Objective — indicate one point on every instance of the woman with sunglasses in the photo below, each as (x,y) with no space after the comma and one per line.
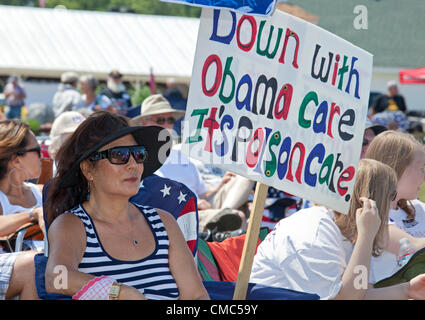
(112,248)
(20,203)
(20,161)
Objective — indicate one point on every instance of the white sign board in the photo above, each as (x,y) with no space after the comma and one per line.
(280,101)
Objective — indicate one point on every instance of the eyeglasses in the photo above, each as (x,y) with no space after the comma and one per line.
(121,155)
(36,149)
(162,120)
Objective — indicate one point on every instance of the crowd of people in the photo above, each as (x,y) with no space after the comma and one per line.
(102,148)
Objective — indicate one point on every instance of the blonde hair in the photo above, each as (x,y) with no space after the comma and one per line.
(376,181)
(396,149)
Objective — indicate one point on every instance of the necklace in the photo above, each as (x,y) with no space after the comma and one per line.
(134,241)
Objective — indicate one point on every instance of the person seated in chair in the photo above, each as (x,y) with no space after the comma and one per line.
(17,276)
(157,111)
(113,248)
(324,256)
(20,201)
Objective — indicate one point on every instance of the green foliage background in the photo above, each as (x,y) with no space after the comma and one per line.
(139,6)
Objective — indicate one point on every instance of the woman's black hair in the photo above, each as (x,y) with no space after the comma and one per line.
(89,133)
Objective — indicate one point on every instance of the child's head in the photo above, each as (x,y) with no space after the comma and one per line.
(375,181)
(403,153)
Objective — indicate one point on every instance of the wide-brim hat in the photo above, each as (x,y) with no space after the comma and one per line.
(157,141)
(157,104)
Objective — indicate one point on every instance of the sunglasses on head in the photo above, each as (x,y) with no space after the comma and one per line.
(36,149)
(162,120)
(121,155)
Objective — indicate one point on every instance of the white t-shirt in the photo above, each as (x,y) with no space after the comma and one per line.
(415,227)
(305,252)
(101,100)
(383,266)
(180,168)
(8,208)
(386,265)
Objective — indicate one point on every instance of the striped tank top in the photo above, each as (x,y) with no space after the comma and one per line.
(151,275)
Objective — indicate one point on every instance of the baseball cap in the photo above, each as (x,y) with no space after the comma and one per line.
(69,77)
(66,122)
(115,74)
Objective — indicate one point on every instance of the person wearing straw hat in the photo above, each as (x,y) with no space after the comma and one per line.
(113,248)
(156,110)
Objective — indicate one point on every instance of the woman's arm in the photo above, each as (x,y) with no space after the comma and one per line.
(414,289)
(395,234)
(12,222)
(361,255)
(181,261)
(67,239)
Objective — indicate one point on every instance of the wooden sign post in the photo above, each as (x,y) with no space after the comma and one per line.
(250,242)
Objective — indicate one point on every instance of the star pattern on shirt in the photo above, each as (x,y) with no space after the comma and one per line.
(182,197)
(165,191)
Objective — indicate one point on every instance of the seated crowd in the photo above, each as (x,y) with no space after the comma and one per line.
(114,247)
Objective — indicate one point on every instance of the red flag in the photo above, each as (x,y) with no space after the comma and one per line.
(152,84)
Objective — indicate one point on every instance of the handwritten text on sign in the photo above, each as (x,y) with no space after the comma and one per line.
(280,101)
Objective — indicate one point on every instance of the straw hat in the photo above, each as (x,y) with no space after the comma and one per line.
(157,104)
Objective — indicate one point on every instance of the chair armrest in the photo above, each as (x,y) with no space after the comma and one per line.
(23,227)
(19,234)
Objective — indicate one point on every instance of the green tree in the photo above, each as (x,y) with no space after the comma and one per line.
(155,7)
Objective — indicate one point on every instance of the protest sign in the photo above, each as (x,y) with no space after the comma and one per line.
(280,101)
(253,7)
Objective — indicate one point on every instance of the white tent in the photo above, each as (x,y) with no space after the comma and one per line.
(39,42)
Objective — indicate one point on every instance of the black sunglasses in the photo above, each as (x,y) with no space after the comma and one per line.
(121,155)
(36,149)
(162,120)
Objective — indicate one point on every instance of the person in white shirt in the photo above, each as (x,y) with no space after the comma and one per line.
(20,160)
(89,99)
(318,250)
(67,96)
(62,128)
(20,203)
(406,156)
